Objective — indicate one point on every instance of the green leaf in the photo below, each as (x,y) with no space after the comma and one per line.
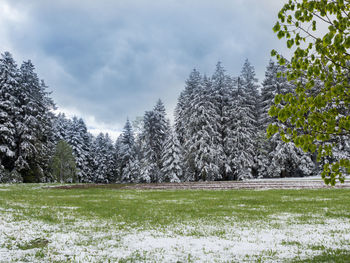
(318,109)
(277,27)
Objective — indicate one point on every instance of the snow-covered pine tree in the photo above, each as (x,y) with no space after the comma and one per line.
(137,125)
(80,141)
(9,91)
(183,110)
(33,126)
(222,96)
(150,171)
(244,126)
(118,159)
(183,114)
(201,150)
(110,163)
(154,134)
(103,154)
(60,127)
(251,101)
(284,159)
(178,116)
(288,160)
(342,150)
(271,86)
(163,127)
(172,160)
(242,156)
(135,162)
(127,154)
(46,131)
(131,171)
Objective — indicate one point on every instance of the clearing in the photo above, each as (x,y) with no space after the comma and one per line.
(266,221)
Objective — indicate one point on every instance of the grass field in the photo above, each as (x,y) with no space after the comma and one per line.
(41,224)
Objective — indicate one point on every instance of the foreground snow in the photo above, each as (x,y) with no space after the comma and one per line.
(99,241)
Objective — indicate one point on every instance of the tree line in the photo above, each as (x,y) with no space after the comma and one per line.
(219,133)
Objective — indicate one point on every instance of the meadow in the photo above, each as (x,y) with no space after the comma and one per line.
(41,223)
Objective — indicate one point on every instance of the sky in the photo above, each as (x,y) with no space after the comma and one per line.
(109,60)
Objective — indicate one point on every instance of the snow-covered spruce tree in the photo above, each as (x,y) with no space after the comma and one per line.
(154,134)
(110,162)
(127,140)
(251,101)
(244,126)
(137,157)
(26,111)
(33,126)
(183,114)
(60,127)
(172,160)
(89,138)
(46,133)
(242,136)
(222,96)
(284,159)
(271,86)
(288,160)
(103,153)
(162,126)
(126,148)
(201,150)
(117,159)
(183,110)
(9,91)
(179,113)
(10,177)
(342,150)
(149,167)
(131,170)
(80,141)
(137,125)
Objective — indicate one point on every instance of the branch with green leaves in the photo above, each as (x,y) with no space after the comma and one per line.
(318,111)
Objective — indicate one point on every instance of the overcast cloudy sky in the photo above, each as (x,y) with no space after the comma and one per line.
(106,60)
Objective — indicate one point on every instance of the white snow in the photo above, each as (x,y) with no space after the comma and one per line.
(95,241)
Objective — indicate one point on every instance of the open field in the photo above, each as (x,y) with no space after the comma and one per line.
(118,223)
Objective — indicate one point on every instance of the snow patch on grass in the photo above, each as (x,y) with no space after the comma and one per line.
(96,240)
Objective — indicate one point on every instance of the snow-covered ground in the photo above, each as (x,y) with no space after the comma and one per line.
(314,182)
(305,178)
(277,239)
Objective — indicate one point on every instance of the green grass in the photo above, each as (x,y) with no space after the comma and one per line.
(160,208)
(155,209)
(329,256)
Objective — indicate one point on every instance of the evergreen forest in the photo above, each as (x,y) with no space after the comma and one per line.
(219,133)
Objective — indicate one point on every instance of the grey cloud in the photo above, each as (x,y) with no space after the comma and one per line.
(113,59)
